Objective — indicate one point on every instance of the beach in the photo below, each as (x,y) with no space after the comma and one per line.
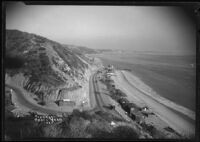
(170,76)
(174,120)
(164,83)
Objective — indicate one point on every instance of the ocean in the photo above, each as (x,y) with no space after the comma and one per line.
(170,76)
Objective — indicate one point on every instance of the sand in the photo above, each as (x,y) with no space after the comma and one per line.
(173,119)
(135,81)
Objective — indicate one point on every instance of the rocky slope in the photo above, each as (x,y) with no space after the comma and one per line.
(48,68)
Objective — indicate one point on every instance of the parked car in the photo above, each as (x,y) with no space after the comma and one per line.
(111,106)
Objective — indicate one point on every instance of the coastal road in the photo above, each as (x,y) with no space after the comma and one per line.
(30,105)
(95,97)
(98,103)
(173,119)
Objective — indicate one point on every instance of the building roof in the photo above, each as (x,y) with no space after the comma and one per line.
(66,100)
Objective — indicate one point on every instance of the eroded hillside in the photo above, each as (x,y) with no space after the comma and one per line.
(45,68)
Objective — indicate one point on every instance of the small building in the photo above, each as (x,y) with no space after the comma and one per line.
(111,106)
(146,111)
(110,68)
(130,107)
(137,116)
(140,118)
(145,108)
(109,74)
(66,102)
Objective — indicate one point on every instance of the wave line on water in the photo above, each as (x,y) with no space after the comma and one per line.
(149,91)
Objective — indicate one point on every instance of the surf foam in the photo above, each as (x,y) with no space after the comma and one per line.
(137,83)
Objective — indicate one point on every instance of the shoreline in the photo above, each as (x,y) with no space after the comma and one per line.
(172,105)
(174,120)
(175,84)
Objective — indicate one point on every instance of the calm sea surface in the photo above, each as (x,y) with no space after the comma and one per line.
(171,76)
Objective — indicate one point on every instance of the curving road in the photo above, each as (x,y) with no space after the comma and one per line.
(96,101)
(23,101)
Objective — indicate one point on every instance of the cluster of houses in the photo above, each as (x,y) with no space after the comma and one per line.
(109,71)
(110,68)
(47,119)
(136,113)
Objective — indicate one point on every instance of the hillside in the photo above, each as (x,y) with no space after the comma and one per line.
(44,67)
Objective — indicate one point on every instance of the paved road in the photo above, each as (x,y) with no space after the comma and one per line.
(95,98)
(23,101)
(96,101)
(96,95)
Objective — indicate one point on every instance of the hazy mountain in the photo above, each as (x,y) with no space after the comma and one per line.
(81,49)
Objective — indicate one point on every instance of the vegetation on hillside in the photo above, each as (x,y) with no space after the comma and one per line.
(46,64)
(76,125)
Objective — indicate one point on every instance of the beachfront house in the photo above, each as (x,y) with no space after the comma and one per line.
(110,68)
(136,115)
(130,107)
(144,108)
(146,111)
(140,118)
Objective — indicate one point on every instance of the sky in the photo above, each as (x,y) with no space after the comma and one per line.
(140,28)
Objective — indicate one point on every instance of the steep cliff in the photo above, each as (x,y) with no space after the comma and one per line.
(47,66)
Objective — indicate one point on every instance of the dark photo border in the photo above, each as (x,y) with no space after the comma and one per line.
(192,8)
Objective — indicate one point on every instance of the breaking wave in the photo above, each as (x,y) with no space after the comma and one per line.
(137,83)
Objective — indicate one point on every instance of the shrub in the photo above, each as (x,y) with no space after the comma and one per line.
(124,132)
